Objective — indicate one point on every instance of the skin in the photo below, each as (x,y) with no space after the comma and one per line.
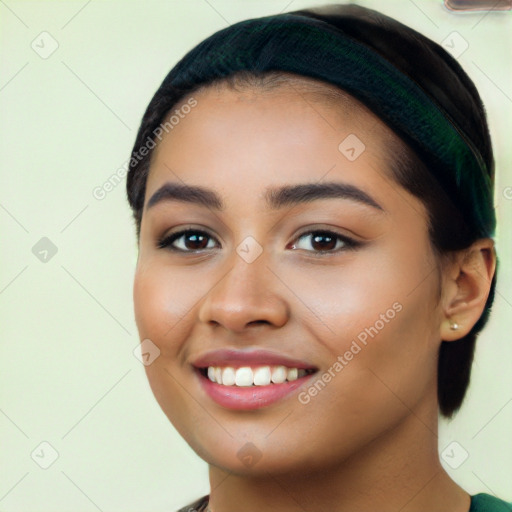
(368,440)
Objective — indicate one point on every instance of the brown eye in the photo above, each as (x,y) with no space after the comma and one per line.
(193,240)
(327,242)
(323,242)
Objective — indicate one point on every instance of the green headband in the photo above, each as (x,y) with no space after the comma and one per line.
(314,48)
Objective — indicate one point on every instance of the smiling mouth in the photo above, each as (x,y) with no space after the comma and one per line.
(253,376)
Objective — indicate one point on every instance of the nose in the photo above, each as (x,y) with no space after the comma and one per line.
(245,295)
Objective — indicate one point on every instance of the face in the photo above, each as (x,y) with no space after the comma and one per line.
(334,295)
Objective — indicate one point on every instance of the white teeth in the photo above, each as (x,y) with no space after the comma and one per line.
(279,374)
(292,374)
(262,376)
(259,376)
(243,376)
(228,376)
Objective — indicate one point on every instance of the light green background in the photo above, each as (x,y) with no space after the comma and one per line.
(68,375)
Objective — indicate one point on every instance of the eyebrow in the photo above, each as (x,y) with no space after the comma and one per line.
(275,197)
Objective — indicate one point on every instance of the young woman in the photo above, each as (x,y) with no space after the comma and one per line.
(313,199)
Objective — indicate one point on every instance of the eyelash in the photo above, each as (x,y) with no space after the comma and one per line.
(349,243)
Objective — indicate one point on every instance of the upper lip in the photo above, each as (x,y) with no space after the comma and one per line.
(256,357)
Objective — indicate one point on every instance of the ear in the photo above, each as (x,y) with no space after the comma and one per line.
(466,285)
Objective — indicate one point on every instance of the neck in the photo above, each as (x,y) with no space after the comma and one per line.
(400,470)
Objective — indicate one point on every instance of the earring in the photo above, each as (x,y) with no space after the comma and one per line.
(453,325)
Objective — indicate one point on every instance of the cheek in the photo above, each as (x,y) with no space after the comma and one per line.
(160,308)
(160,303)
(379,311)
(347,298)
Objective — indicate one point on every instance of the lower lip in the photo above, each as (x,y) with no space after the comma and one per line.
(249,397)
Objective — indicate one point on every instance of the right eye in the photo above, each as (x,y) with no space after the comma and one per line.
(193,237)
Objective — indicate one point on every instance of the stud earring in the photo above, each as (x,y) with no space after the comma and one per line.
(453,325)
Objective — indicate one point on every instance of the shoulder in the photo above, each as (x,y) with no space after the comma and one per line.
(197,506)
(486,503)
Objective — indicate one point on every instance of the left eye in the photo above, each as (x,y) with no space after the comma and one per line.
(325,241)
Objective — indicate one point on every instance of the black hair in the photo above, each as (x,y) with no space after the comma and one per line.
(429,65)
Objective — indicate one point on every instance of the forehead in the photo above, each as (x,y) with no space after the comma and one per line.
(243,142)
(285,121)
(287,92)
(244,148)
